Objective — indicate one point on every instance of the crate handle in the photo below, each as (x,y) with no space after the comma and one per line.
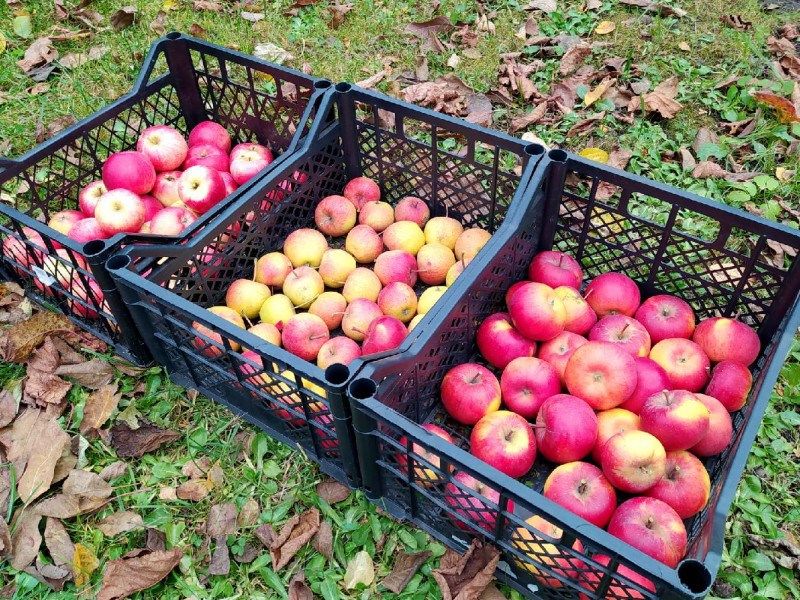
(7,163)
(694,576)
(320,104)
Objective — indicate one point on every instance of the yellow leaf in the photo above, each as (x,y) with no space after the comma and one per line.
(601,218)
(83,565)
(597,93)
(595,154)
(685,47)
(170,5)
(2,42)
(605,27)
(784,174)
(359,570)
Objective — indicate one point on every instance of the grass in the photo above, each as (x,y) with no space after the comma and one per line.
(766,505)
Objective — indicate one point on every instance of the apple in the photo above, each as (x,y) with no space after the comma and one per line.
(383,333)
(500,343)
(414,322)
(335,215)
(358,316)
(362,283)
(230,184)
(504,440)
(376,214)
(650,378)
(206,155)
(555,269)
(540,551)
(412,209)
(730,384)
(151,207)
(396,265)
(165,189)
(215,345)
(335,266)
(171,221)
(305,247)
(559,350)
(119,211)
(248,162)
(164,146)
(89,196)
(470,242)
(627,333)
(86,230)
(537,312)
(209,132)
(676,417)
(472,509)
(130,171)
(330,307)
(610,423)
(276,310)
(720,428)
(302,286)
(685,485)
(252,148)
(404,235)
(456,270)
(618,588)
(17,251)
(470,392)
(566,428)
(633,461)
(272,269)
(83,303)
(600,373)
(686,364)
(246,297)
(429,297)
(583,490)
(338,350)
(651,526)
(666,317)
(422,473)
(361,190)
(200,188)
(363,243)
(612,294)
(526,383)
(443,230)
(398,300)
(63,220)
(580,316)
(728,339)
(434,261)
(267,332)
(304,334)
(513,289)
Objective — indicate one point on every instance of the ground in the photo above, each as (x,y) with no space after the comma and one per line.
(700,49)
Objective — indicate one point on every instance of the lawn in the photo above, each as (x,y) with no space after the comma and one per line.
(717,58)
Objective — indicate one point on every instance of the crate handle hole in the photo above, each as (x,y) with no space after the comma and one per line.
(94,247)
(343,87)
(557,155)
(337,374)
(361,389)
(534,149)
(118,262)
(173,35)
(322,84)
(694,576)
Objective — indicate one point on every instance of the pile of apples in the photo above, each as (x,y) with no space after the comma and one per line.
(356,273)
(622,395)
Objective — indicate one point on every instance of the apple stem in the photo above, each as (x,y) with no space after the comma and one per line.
(588,293)
(255,269)
(246,320)
(316,337)
(463,261)
(582,486)
(560,259)
(476,378)
(624,328)
(650,522)
(357,330)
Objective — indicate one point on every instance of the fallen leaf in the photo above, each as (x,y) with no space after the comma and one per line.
(8,407)
(323,541)
(295,534)
(40,467)
(8,590)
(420,29)
(664,10)
(221,520)
(220,560)
(453,61)
(530,27)
(605,27)
(640,87)
(338,12)
(405,567)
(137,442)
(685,47)
(547,6)
(789,31)
(370,82)
(706,169)
(594,95)
(156,540)
(660,100)
(250,552)
(86,484)
(586,125)
(26,540)
(206,5)
(595,154)
(333,492)
(216,475)
(84,563)
(618,158)
(491,593)
(195,469)
(124,576)
(479,110)
(786,112)
(39,88)
(53,576)
(193,490)
(468,577)
(272,53)
(298,590)
(114,470)
(99,406)
(704,136)
(594,4)
(564,93)
(120,522)
(5,539)
(252,17)
(159,24)
(19,341)
(737,22)
(58,543)
(130,416)
(421,70)
(43,389)
(248,515)
(197,31)
(522,121)
(123,18)
(573,58)
(359,570)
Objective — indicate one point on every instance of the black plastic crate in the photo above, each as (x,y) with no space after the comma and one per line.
(183,81)
(397,144)
(608,220)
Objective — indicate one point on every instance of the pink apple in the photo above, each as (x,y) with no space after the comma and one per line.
(435,261)
(613,293)
(364,243)
(633,461)
(479,507)
(25,255)
(470,392)
(208,156)
(412,209)
(526,383)
(626,332)
(650,378)
(252,147)
(120,211)
(505,441)
(396,265)
(131,171)
(87,230)
(677,418)
(200,188)
(618,588)
(555,269)
(580,316)
(610,423)
(512,290)
(272,269)
(339,349)
(209,132)
(398,300)
(651,526)
(685,485)
(247,161)
(424,474)
(361,190)
(171,220)
(304,334)
(330,307)
(378,215)
(559,350)
(583,490)
(151,207)
(500,343)
(602,374)
(383,333)
(686,364)
(666,317)
(63,220)
(164,146)
(537,312)
(165,189)
(358,316)
(335,215)
(566,428)
(720,428)
(730,384)
(728,339)
(230,184)
(89,196)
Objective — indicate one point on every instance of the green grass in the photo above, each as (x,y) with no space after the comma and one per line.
(766,505)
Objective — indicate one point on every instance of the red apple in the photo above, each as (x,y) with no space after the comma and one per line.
(500,343)
(602,374)
(470,392)
(504,440)
(583,490)
(339,349)
(472,507)
(422,472)
(304,334)
(677,418)
(363,243)
(209,132)
(398,300)
(330,307)
(730,384)
(89,196)
(164,146)
(165,189)
(396,265)
(666,317)
(651,526)
(555,269)
(247,161)
(412,209)
(526,383)
(335,215)
(627,333)
(25,255)
(618,588)
(685,485)
(358,316)
(650,378)
(130,171)
(171,221)
(633,461)
(63,220)
(384,333)
(559,350)
(361,190)
(613,293)
(86,230)
(728,339)
(580,316)
(250,147)
(230,184)
(720,428)
(566,428)
(200,188)
(512,290)
(206,155)
(119,211)
(542,551)
(537,312)
(151,207)
(686,364)
(610,423)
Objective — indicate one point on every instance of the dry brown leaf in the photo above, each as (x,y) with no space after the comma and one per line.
(137,442)
(479,110)
(660,100)
(471,575)
(125,576)
(159,24)
(706,169)
(294,535)
(618,158)
(19,341)
(206,5)
(8,407)
(93,374)
(197,31)
(585,126)
(5,539)
(789,31)
(87,484)
(370,82)
(404,569)
(665,10)
(123,18)
(547,6)
(120,522)
(605,27)
(594,4)
(156,540)
(221,559)
(58,543)
(41,51)
(298,590)
(99,406)
(26,540)
(45,452)
(249,554)
(195,469)
(221,520)
(573,58)
(8,591)
(43,388)
(338,12)
(421,70)
(114,470)
(323,541)
(565,92)
(66,506)
(265,534)
(491,593)
(53,576)
(737,22)
(529,27)
(248,515)
(525,120)
(193,490)
(333,492)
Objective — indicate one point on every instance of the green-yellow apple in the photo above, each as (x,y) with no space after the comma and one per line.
(443,230)
(335,266)
(429,297)
(378,215)
(470,242)
(305,247)
(246,297)
(434,261)
(276,310)
(404,235)
(268,332)
(456,270)
(302,286)
(229,315)
(362,283)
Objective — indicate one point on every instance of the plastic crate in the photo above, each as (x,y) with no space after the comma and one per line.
(292,399)
(608,220)
(183,81)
